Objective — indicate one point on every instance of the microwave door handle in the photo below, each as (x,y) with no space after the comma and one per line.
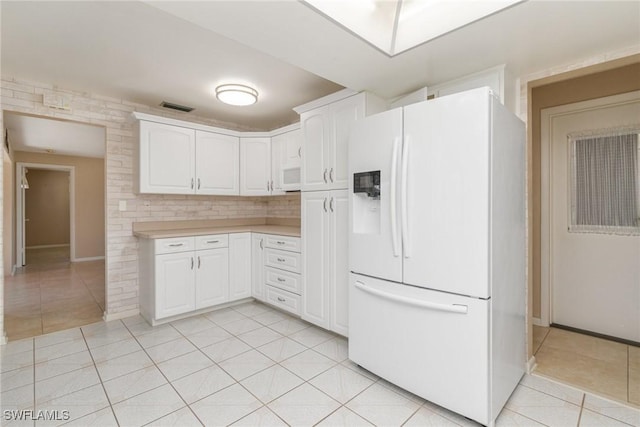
(403,198)
(393,197)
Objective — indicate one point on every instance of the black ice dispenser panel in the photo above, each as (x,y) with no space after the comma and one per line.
(367,182)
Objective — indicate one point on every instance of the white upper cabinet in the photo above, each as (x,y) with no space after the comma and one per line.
(285,159)
(255,166)
(166,159)
(178,160)
(217,165)
(325,138)
(176,157)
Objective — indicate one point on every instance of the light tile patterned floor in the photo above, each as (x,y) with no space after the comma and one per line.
(51,294)
(605,367)
(249,365)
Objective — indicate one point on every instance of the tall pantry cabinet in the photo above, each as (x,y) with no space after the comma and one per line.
(325,126)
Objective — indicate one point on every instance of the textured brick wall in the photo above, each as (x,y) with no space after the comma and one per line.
(114,115)
(287,206)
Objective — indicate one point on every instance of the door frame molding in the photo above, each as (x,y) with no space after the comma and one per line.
(20,211)
(548,117)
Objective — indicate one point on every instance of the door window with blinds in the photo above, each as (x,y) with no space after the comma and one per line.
(605,182)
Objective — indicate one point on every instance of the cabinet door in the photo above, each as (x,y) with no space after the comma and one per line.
(343,114)
(212,277)
(339,260)
(315,265)
(315,133)
(167,159)
(257,266)
(175,284)
(239,266)
(255,166)
(217,164)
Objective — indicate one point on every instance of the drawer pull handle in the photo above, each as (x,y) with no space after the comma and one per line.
(281,259)
(280,279)
(281,299)
(175,245)
(280,243)
(213,241)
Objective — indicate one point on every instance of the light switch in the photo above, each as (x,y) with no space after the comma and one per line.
(122,206)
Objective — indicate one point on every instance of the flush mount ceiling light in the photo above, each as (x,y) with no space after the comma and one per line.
(233,94)
(394,26)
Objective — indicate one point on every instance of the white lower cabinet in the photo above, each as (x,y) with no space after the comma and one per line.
(257,266)
(239,266)
(325,259)
(183,274)
(281,272)
(175,284)
(212,277)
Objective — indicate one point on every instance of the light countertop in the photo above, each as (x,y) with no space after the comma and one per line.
(166,229)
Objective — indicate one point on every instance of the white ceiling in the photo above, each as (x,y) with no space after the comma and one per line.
(40,135)
(179,50)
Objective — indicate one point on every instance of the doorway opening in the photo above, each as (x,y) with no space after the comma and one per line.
(45,207)
(57,238)
(585,279)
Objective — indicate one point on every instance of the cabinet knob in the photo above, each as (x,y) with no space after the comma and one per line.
(331,205)
(198,183)
(280,242)
(192,263)
(192,183)
(281,299)
(331,174)
(280,279)
(300,152)
(324,204)
(280,259)
(324,176)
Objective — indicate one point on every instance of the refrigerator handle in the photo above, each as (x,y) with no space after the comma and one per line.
(393,197)
(403,198)
(451,308)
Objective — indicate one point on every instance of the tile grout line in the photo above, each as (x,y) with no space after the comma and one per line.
(95,366)
(584,396)
(165,377)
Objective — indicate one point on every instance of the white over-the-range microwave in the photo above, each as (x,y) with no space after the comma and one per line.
(290,178)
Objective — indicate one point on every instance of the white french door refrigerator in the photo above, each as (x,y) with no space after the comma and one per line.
(437,250)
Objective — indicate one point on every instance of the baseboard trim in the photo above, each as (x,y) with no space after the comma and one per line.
(108,317)
(539,322)
(531,364)
(47,246)
(93,258)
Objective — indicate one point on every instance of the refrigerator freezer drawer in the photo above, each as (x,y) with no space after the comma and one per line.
(436,345)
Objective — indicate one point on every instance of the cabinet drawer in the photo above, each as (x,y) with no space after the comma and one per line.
(283,280)
(283,242)
(289,261)
(174,244)
(212,241)
(283,299)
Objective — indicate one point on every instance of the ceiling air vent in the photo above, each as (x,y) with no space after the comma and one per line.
(177,107)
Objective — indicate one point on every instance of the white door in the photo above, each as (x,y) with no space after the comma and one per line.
(339,259)
(217,164)
(315,262)
(255,166)
(175,284)
(257,266)
(343,114)
(212,277)
(445,223)
(167,159)
(239,266)
(594,277)
(375,245)
(315,155)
